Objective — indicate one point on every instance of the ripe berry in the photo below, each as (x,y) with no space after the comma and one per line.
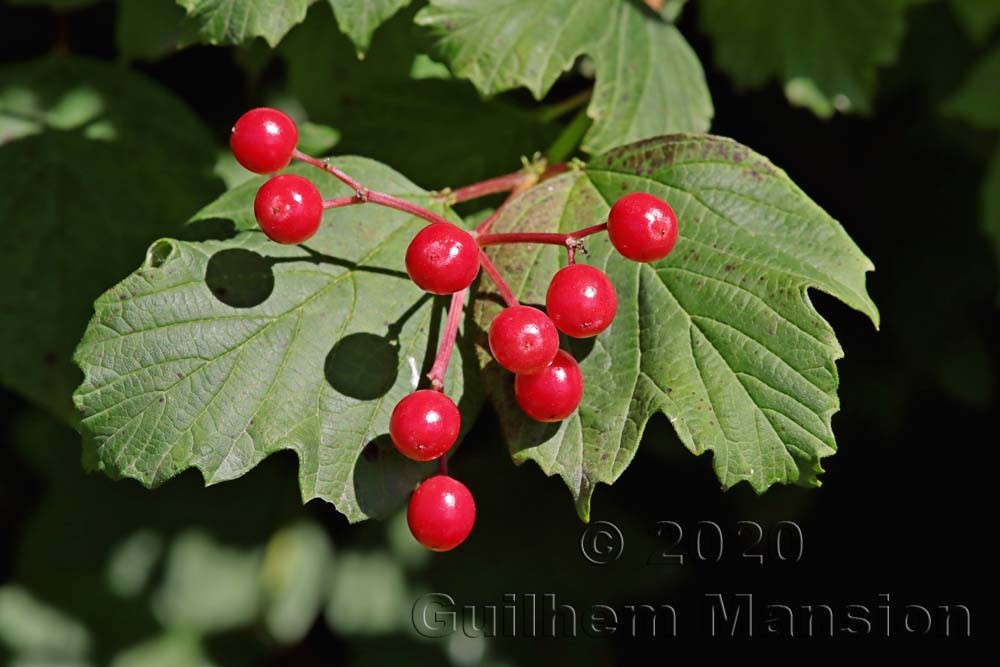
(523,339)
(263,140)
(442,258)
(289,208)
(581,301)
(441,513)
(553,393)
(642,227)
(424,425)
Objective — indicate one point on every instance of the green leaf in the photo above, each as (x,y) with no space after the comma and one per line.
(238,21)
(91,177)
(368,595)
(358,19)
(977,101)
(295,574)
(167,650)
(118,562)
(316,139)
(833,46)
(720,336)
(149,29)
(439,131)
(215,354)
(978,17)
(672,9)
(649,80)
(991,205)
(31,628)
(56,4)
(208,587)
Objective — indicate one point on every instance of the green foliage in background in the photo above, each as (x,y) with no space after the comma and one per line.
(210,348)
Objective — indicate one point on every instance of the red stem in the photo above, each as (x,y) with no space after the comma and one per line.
(341,202)
(327,167)
(491,270)
(491,186)
(588,231)
(363,194)
(527,182)
(522,237)
(401,205)
(440,367)
(550,238)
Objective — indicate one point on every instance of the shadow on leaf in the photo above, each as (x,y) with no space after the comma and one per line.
(384,478)
(362,366)
(580,348)
(243,278)
(240,278)
(208,229)
(365,365)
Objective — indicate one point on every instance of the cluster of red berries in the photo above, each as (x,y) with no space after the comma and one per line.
(444,259)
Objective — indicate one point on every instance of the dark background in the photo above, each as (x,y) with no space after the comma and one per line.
(903,508)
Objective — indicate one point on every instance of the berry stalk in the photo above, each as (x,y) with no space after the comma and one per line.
(494,273)
(363,194)
(443,357)
(329,168)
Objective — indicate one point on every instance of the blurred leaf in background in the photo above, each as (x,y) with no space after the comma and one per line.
(824,52)
(91,177)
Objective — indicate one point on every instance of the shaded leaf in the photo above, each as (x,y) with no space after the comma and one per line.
(438,131)
(977,101)
(358,19)
(978,17)
(238,21)
(834,47)
(149,29)
(991,206)
(90,178)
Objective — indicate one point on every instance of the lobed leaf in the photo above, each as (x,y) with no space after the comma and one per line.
(216,353)
(649,81)
(720,336)
(238,21)
(358,19)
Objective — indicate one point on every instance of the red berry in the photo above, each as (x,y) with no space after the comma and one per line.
(553,393)
(642,227)
(441,513)
(581,301)
(289,208)
(263,140)
(442,258)
(424,425)
(523,339)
